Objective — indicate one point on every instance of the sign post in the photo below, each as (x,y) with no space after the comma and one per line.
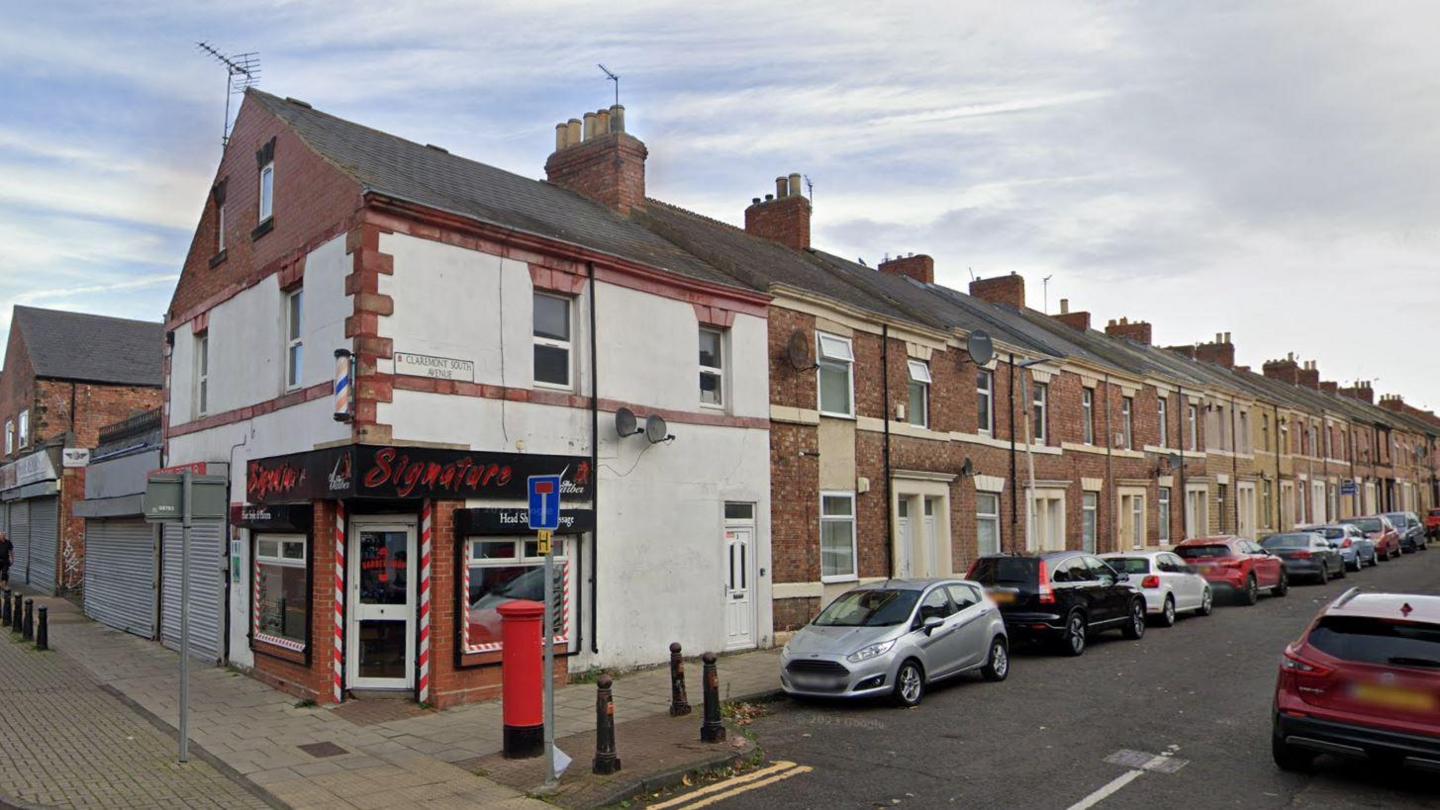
(187,486)
(544,491)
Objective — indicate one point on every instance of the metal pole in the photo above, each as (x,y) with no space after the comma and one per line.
(549,630)
(1029,412)
(187,479)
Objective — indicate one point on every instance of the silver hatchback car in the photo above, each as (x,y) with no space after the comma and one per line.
(896,637)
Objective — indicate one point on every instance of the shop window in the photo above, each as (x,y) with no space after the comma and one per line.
(498,570)
(294,338)
(919,407)
(836,381)
(837,537)
(712,367)
(552,341)
(282,599)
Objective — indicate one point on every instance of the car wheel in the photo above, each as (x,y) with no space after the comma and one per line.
(1207,602)
(1289,758)
(1324,574)
(1358,564)
(1283,586)
(1135,630)
(998,665)
(1072,642)
(909,684)
(1251,594)
(1167,613)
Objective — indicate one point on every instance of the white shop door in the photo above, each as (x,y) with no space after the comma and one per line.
(739,606)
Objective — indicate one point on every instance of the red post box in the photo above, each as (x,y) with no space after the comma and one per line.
(522,668)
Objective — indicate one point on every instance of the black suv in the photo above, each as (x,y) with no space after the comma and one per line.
(1061,597)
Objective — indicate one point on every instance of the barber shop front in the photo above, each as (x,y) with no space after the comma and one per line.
(380,569)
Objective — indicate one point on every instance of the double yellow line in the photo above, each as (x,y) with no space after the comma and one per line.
(734,786)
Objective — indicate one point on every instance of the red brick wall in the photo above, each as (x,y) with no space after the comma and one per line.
(610,169)
(919,267)
(1079,321)
(786,220)
(1138,331)
(1007,290)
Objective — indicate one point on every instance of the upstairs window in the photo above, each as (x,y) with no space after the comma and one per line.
(9,436)
(919,408)
(267,191)
(836,375)
(712,367)
(1127,422)
(23,436)
(552,341)
(202,375)
(1194,417)
(1164,406)
(1265,432)
(1087,413)
(1041,407)
(985,398)
(294,338)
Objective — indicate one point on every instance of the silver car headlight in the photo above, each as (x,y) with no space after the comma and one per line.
(871,651)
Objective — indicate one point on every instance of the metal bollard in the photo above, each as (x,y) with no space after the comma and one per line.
(712,730)
(607,761)
(679,702)
(5,607)
(42,629)
(27,628)
(17,611)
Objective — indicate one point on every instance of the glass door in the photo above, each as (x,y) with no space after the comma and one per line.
(381,639)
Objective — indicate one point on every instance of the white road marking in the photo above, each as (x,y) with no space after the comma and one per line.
(1109,788)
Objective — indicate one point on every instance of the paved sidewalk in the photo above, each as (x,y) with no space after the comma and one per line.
(388,755)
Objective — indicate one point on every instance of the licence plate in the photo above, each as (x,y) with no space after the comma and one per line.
(1002,598)
(1393,698)
(814,681)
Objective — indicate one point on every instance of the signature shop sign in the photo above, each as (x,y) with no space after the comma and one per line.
(389,472)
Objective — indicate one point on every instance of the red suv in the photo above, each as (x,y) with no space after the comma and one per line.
(1235,564)
(1432,524)
(1363,681)
(1380,530)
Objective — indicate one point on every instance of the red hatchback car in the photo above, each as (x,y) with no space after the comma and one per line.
(1380,530)
(1235,564)
(1363,681)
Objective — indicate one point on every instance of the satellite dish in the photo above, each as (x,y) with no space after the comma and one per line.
(968,468)
(625,423)
(655,429)
(797,350)
(980,348)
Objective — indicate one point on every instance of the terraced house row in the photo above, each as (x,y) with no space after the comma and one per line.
(378,340)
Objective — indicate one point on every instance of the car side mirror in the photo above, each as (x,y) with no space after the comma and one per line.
(930,623)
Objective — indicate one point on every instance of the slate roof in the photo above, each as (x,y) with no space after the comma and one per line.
(91,348)
(390,165)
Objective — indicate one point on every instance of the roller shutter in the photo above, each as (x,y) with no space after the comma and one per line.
(20,538)
(120,576)
(207,589)
(44,537)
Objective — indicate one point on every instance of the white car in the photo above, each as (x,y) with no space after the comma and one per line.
(1169,584)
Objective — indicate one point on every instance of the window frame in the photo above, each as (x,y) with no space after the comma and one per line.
(1193,415)
(219,228)
(915,384)
(1040,413)
(1163,516)
(849,496)
(22,430)
(1089,520)
(280,560)
(567,345)
(717,372)
(562,557)
(985,427)
(202,374)
(982,516)
(1163,406)
(294,339)
(9,436)
(833,362)
(265,210)
(1087,415)
(1127,421)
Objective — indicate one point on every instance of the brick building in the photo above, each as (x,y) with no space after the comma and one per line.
(66,376)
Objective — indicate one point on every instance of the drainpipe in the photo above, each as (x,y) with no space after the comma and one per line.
(1234,468)
(1276,493)
(1014,496)
(1109,467)
(885,415)
(594,470)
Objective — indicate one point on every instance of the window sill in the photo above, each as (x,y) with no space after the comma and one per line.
(839,579)
(263,228)
(217,260)
(830,415)
(569,389)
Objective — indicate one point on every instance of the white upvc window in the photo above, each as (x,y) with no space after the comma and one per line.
(1087,414)
(919,408)
(294,338)
(23,431)
(1164,508)
(1089,521)
(838,552)
(553,339)
(836,370)
(1194,417)
(267,191)
(1041,416)
(1164,406)
(282,609)
(987,522)
(1127,422)
(202,375)
(220,228)
(985,402)
(1242,441)
(712,367)
(9,436)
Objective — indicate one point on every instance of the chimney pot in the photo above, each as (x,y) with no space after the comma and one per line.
(1064,306)
(560,131)
(602,122)
(754,200)
(1112,322)
(572,132)
(1227,337)
(617,118)
(1219,337)
(589,126)
(609,171)
(769,197)
(782,185)
(794,184)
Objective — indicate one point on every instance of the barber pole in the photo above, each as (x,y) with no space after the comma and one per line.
(339,645)
(344,376)
(426,516)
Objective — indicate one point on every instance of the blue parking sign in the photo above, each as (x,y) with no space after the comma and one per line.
(544,502)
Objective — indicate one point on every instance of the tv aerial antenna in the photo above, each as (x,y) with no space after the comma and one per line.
(611,77)
(242,72)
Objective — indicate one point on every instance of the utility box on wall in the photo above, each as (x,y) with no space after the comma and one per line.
(164,497)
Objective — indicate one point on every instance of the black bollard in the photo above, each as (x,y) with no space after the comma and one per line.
(712,730)
(607,761)
(679,702)
(42,629)
(5,608)
(27,627)
(17,612)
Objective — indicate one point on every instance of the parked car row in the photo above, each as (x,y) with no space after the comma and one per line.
(897,637)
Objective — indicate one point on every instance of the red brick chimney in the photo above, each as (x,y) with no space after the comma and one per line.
(1007,290)
(1188,351)
(783,217)
(1284,369)
(1361,390)
(1309,375)
(1392,402)
(597,159)
(1329,387)
(917,266)
(1079,321)
(1138,331)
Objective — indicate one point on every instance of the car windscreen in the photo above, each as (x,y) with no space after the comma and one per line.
(1129,565)
(1366,524)
(1378,641)
(1398,518)
(1004,571)
(869,608)
(1199,552)
(1331,533)
(1286,541)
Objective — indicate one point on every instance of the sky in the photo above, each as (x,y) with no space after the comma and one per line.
(1265,169)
